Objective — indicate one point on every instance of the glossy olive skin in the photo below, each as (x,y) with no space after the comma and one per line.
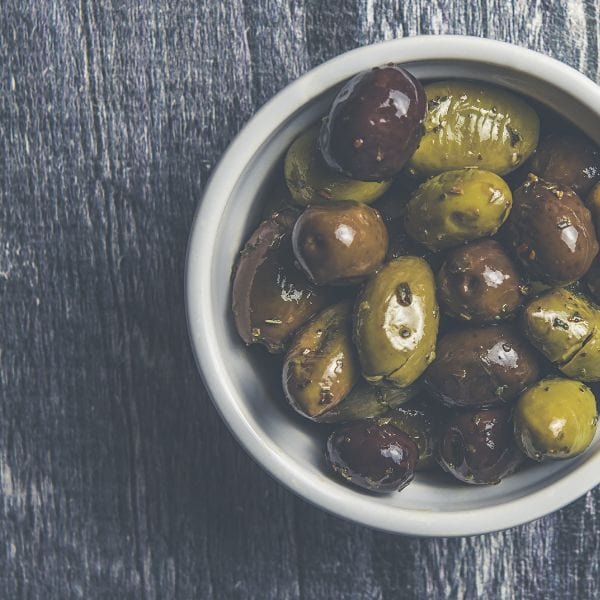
(311,181)
(479,283)
(374,125)
(321,366)
(366,400)
(396,322)
(551,232)
(472,124)
(478,447)
(457,207)
(558,323)
(481,367)
(555,418)
(272,298)
(565,327)
(568,159)
(340,243)
(378,458)
(419,420)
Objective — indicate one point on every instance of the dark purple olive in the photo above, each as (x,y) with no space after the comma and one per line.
(551,232)
(481,367)
(374,125)
(379,458)
(568,159)
(478,447)
(479,283)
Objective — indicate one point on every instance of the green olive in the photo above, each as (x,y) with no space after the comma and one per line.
(367,400)
(456,207)
(565,327)
(555,418)
(321,367)
(418,419)
(471,124)
(311,181)
(396,322)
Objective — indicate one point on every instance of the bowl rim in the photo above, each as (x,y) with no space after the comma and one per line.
(330,495)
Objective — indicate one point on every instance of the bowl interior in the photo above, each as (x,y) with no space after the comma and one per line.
(253,381)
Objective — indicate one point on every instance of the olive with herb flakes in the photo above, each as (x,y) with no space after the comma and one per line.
(481,367)
(555,418)
(321,366)
(457,207)
(479,283)
(567,159)
(272,298)
(376,457)
(551,232)
(396,321)
(473,124)
(565,327)
(374,125)
(478,447)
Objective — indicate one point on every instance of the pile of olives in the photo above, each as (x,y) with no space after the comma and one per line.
(429,271)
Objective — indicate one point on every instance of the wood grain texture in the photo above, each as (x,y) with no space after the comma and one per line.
(117,477)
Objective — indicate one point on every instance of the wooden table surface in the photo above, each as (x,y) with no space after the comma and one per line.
(117,477)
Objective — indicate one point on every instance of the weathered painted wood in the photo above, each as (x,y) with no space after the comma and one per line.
(117,477)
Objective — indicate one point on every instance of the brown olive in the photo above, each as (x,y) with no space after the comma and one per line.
(481,367)
(551,232)
(375,124)
(272,298)
(339,243)
(479,447)
(379,458)
(479,283)
(568,159)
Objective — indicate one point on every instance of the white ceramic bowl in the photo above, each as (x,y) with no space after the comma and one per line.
(247,393)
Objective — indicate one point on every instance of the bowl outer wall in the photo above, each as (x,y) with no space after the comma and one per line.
(471,510)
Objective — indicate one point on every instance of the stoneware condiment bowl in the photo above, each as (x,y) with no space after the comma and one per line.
(245,389)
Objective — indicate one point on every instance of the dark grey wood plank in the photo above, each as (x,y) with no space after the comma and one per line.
(118,478)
